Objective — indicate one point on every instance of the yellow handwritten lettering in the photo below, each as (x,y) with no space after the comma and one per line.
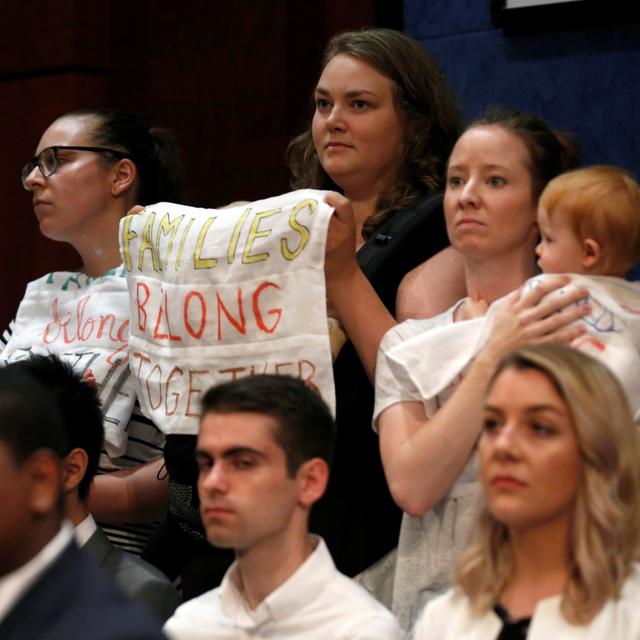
(165,227)
(127,236)
(233,245)
(147,244)
(255,233)
(198,261)
(184,237)
(287,253)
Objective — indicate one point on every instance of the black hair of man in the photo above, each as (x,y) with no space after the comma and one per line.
(306,428)
(78,405)
(29,418)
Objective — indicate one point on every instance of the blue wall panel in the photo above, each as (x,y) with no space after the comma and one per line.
(585,81)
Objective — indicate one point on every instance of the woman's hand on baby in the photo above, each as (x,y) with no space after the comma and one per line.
(340,252)
(545,313)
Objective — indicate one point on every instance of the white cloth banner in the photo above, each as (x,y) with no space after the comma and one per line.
(85,321)
(438,358)
(221,294)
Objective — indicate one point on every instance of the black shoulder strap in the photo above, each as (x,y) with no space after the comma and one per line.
(408,238)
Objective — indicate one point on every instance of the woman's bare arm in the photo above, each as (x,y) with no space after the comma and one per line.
(135,495)
(429,289)
(432,287)
(363,315)
(423,458)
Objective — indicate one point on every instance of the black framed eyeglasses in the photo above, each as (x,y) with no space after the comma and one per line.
(48,162)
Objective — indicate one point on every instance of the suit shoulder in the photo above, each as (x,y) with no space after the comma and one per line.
(74,597)
(143,582)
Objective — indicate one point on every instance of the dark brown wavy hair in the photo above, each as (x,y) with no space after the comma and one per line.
(426,103)
(550,152)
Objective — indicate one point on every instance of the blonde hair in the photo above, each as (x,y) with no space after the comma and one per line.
(600,202)
(603,539)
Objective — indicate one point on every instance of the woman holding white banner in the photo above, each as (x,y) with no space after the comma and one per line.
(90,168)
(495,175)
(385,121)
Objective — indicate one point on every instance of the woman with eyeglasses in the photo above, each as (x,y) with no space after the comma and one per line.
(90,168)
(554,551)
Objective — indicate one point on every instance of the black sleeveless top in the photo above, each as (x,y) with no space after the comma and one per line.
(511,629)
(357,516)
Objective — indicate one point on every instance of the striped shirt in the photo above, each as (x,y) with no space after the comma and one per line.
(145,443)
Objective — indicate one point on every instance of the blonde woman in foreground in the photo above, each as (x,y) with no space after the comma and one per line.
(554,551)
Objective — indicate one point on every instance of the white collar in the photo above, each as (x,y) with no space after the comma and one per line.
(300,588)
(85,530)
(15,584)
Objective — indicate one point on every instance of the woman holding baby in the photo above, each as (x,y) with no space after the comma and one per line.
(494,177)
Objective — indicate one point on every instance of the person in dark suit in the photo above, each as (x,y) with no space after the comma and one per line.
(49,589)
(83,422)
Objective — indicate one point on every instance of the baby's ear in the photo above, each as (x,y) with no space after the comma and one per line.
(591,253)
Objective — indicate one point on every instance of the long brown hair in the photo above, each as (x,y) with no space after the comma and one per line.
(422,96)
(550,152)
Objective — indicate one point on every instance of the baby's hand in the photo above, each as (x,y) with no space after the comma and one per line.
(473,309)
(90,379)
(545,312)
(568,294)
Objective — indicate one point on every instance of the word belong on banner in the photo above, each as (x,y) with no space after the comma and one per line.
(224,311)
(84,321)
(220,294)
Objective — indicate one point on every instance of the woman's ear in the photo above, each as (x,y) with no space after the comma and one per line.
(124,175)
(591,253)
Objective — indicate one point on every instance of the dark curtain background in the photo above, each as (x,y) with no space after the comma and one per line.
(232,80)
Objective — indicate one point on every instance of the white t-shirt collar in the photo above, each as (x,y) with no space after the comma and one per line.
(302,586)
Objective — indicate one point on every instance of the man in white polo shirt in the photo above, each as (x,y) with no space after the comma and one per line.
(264,449)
